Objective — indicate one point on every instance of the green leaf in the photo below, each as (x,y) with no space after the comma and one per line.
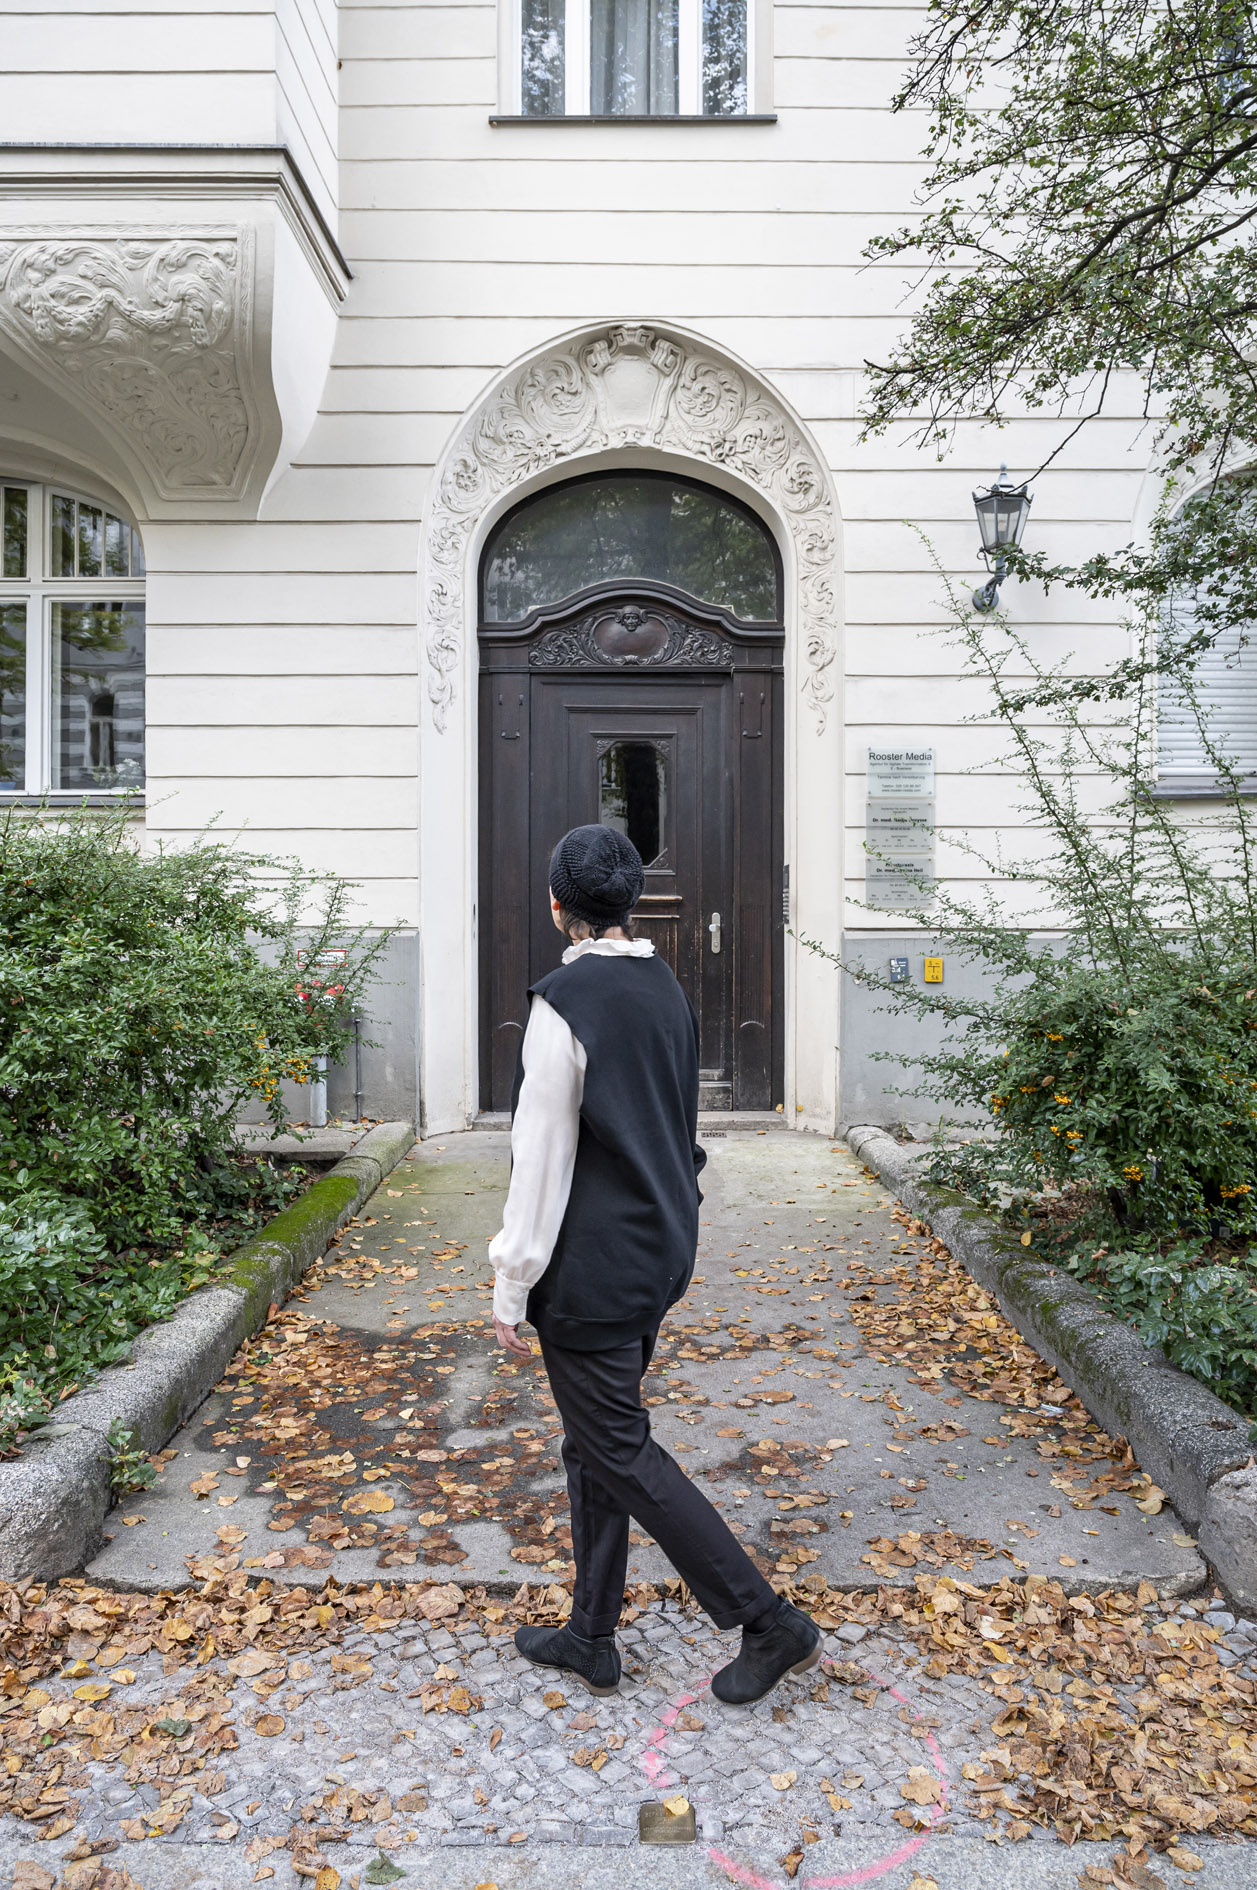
(382,1869)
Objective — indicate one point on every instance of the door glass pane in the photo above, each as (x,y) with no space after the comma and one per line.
(15,531)
(98,695)
(541,54)
(633,57)
(724,58)
(13,695)
(633,795)
(630,525)
(61,537)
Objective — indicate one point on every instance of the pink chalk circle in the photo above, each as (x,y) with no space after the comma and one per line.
(658,1772)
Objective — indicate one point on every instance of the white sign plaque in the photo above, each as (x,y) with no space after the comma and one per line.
(898,772)
(899,828)
(905,826)
(888,886)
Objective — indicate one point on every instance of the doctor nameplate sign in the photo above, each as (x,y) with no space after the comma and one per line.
(899,828)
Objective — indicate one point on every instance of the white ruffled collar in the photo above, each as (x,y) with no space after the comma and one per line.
(609,948)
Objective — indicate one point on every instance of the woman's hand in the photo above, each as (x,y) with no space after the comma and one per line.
(510,1341)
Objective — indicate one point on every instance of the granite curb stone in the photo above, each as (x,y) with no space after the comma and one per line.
(1195,1447)
(54,1498)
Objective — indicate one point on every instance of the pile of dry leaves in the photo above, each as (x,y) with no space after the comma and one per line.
(1111,1718)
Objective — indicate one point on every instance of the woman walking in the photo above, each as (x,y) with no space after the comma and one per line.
(598,1240)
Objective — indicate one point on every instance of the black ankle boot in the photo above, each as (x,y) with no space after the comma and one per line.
(791,1645)
(595,1663)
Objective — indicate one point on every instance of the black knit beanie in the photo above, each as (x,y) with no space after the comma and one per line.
(596,874)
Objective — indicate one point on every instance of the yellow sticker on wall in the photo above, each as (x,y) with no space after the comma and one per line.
(933,971)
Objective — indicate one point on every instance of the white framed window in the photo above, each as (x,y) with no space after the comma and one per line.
(71,644)
(1224,697)
(634,58)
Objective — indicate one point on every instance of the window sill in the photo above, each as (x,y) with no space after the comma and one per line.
(1200,788)
(73,797)
(632,118)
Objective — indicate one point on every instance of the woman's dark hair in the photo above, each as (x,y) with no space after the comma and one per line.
(574,928)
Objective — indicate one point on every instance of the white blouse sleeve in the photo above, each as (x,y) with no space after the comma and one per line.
(543,1155)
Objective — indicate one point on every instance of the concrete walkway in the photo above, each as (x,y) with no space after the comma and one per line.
(763,1375)
(847,1396)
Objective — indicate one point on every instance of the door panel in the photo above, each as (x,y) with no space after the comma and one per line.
(578,726)
(675,740)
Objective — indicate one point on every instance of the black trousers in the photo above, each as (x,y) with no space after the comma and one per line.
(616,1470)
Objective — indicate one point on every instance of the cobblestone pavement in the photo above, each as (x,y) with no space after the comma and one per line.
(358,1764)
(431,1742)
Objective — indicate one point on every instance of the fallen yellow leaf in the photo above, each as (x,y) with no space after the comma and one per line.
(267,1726)
(782,1780)
(922,1787)
(327,1879)
(677,1805)
(1184,1859)
(95,1690)
(364,1501)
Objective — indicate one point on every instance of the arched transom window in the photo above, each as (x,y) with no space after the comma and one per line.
(71,644)
(619,527)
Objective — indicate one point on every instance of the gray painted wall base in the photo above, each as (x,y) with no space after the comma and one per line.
(390,1060)
(870,1089)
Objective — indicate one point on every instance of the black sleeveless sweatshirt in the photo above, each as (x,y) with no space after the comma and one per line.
(625,1250)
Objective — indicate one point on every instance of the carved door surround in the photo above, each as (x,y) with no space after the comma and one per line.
(637,395)
(625,387)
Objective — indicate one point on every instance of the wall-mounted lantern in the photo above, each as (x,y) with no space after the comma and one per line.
(1002,513)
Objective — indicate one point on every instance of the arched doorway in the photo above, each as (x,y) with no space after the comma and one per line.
(631,636)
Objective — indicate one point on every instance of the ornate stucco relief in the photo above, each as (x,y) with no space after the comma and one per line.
(630,386)
(631,639)
(152,333)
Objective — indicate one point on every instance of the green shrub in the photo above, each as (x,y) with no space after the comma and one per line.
(69,1307)
(1110,1064)
(1202,1312)
(144,1000)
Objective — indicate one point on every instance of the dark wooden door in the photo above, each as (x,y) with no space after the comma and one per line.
(643,715)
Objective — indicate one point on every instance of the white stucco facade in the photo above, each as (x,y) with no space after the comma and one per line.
(361,320)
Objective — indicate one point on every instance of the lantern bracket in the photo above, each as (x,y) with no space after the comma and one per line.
(1002,513)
